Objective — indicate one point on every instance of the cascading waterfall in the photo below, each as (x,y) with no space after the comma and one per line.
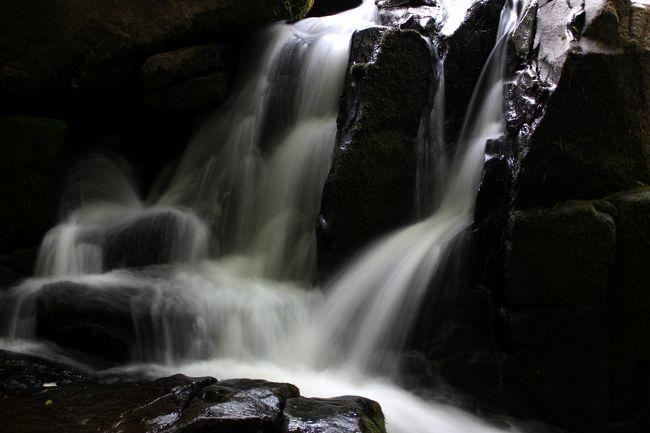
(252,176)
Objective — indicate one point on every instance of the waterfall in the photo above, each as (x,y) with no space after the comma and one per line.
(238,216)
(371,305)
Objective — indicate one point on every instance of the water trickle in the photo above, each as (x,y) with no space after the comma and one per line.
(252,178)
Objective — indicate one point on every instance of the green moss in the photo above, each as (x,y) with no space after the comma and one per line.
(374,422)
(297,9)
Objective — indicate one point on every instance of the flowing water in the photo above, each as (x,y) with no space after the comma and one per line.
(252,177)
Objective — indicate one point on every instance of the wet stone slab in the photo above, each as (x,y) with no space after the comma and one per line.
(348,414)
(74,401)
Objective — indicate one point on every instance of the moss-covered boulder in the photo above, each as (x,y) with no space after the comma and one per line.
(559,256)
(370,189)
(629,303)
(33,151)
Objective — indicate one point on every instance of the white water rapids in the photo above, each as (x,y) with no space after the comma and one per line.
(253,175)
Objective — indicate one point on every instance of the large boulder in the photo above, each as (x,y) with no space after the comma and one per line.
(33,150)
(56,51)
(370,189)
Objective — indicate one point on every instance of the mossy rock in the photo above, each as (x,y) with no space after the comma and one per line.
(33,152)
(370,189)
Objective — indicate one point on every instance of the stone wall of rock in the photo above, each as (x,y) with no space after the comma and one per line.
(572,312)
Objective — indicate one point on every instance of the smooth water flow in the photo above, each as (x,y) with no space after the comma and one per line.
(236,221)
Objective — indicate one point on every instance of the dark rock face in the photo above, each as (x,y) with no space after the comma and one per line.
(467,50)
(558,263)
(560,257)
(33,150)
(75,401)
(629,304)
(185,79)
(574,298)
(90,50)
(370,189)
(590,142)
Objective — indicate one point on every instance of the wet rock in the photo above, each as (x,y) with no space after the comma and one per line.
(58,52)
(590,141)
(33,150)
(629,296)
(585,137)
(347,414)
(76,401)
(467,50)
(241,405)
(152,406)
(159,236)
(110,321)
(370,189)
(560,256)
(185,79)
(138,239)
(20,372)
(323,8)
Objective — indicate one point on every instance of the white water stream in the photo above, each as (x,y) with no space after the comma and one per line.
(253,175)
